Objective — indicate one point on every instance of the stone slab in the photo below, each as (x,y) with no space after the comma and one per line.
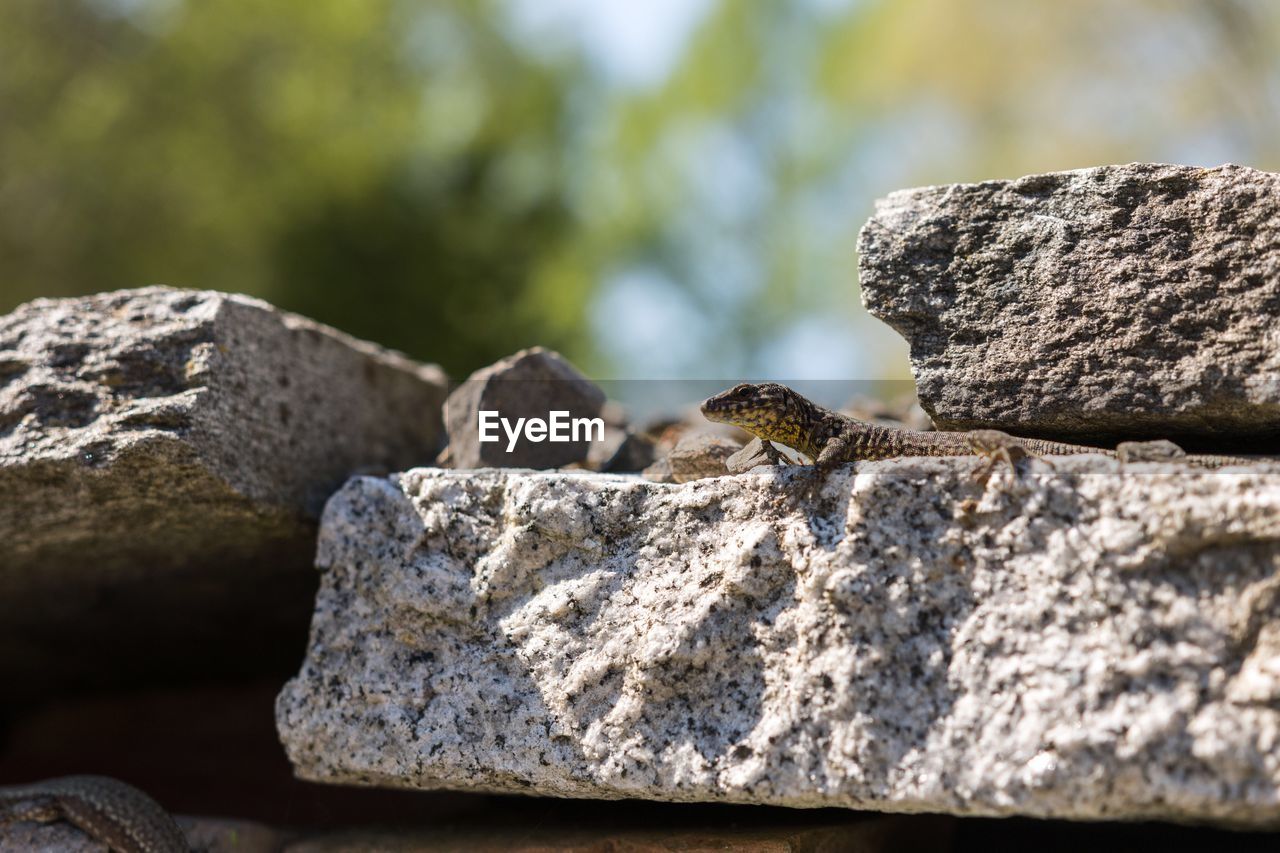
(1099,305)
(1088,641)
(164,455)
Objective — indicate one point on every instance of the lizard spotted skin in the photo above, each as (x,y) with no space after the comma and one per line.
(116,814)
(773,412)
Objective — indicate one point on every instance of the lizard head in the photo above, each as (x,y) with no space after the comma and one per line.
(767,410)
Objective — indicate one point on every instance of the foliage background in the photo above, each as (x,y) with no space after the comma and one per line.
(662,189)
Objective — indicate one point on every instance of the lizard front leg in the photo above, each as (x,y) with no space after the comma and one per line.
(996,446)
(833,453)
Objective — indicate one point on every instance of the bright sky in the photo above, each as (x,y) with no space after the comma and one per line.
(636,46)
(633,44)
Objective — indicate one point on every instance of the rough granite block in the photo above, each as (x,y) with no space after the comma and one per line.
(1121,302)
(164,455)
(1089,640)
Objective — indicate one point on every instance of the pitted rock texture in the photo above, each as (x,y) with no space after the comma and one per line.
(164,457)
(1088,640)
(1121,302)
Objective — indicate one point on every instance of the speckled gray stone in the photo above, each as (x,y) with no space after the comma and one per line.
(700,455)
(1121,302)
(164,456)
(1088,641)
(750,455)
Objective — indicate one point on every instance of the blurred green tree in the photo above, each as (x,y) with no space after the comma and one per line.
(461,178)
(383,166)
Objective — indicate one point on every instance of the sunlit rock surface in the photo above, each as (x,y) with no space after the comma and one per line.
(1087,640)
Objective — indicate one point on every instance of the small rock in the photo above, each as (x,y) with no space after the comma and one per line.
(623,450)
(750,456)
(601,453)
(659,471)
(634,452)
(701,455)
(705,447)
(529,384)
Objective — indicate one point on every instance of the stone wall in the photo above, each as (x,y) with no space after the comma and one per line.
(667,614)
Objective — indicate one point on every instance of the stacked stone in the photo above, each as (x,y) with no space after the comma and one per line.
(1089,640)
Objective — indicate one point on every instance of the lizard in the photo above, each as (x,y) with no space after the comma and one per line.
(774,413)
(108,810)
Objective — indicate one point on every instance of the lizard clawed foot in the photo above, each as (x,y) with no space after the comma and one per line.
(809,481)
(814,476)
(831,458)
(997,447)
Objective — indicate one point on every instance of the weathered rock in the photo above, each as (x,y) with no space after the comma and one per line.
(704,447)
(751,455)
(603,454)
(164,455)
(623,450)
(1122,302)
(530,384)
(633,453)
(658,471)
(700,455)
(1090,640)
